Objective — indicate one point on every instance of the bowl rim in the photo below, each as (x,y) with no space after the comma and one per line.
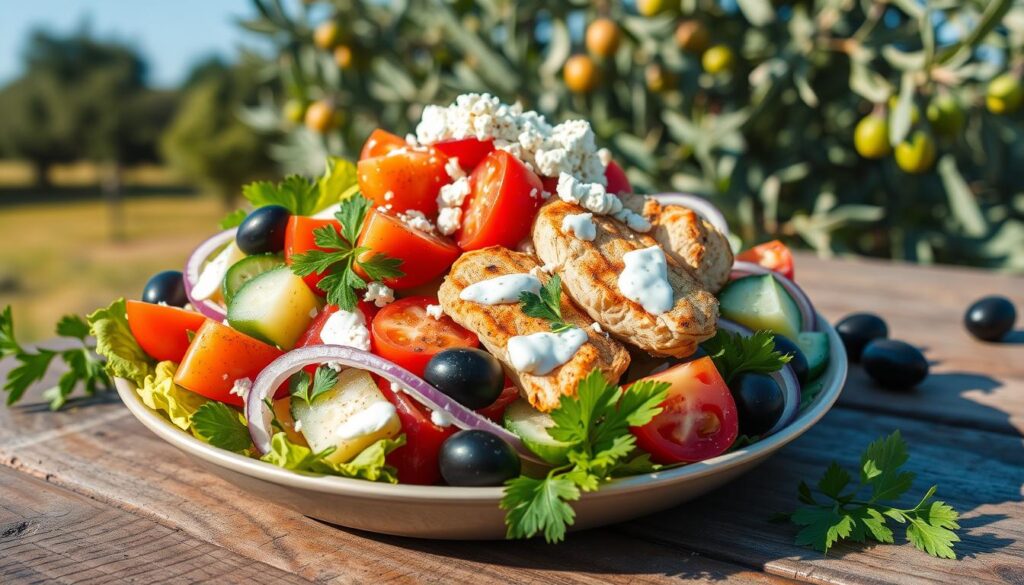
(834,380)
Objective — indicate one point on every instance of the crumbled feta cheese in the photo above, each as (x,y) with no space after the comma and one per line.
(241,387)
(596,327)
(454,193)
(591,196)
(550,267)
(440,419)
(379,294)
(336,366)
(571,149)
(410,139)
(633,220)
(449,219)
(297,426)
(396,388)
(346,328)
(605,155)
(389,195)
(163,304)
(435,311)
(385,208)
(580,225)
(453,169)
(313,313)
(417,220)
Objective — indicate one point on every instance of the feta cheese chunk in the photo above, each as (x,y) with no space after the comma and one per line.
(379,294)
(346,328)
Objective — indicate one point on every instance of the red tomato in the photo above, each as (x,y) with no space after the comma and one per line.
(699,420)
(550,184)
(380,143)
(416,461)
(617,180)
(424,256)
(312,334)
(497,410)
(772,255)
(500,208)
(162,331)
(404,333)
(298,239)
(217,357)
(469,151)
(404,181)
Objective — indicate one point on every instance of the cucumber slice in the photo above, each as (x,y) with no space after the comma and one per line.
(531,425)
(814,344)
(275,307)
(759,302)
(245,270)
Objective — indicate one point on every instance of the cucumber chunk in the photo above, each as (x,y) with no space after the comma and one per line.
(759,302)
(275,307)
(531,425)
(245,270)
(814,344)
(350,417)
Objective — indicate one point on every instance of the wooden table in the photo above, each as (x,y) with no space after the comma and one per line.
(89,495)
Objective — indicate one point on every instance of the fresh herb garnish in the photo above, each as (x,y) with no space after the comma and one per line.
(735,354)
(841,515)
(547,305)
(221,426)
(233,219)
(596,423)
(342,255)
(303,196)
(323,380)
(83,366)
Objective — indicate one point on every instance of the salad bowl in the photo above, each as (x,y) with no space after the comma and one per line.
(442,512)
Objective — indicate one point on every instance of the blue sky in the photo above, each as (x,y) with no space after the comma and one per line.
(171,34)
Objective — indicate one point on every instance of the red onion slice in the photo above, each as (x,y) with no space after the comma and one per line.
(702,206)
(803,303)
(194,267)
(785,378)
(259,416)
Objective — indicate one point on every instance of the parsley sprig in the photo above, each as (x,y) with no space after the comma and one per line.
(735,354)
(83,365)
(341,255)
(841,513)
(222,426)
(596,423)
(547,305)
(323,380)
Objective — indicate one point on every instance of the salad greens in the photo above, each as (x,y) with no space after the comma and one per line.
(159,392)
(369,464)
(735,354)
(323,380)
(221,426)
(547,305)
(114,341)
(302,196)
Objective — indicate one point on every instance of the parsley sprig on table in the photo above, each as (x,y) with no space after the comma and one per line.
(83,365)
(841,513)
(596,423)
(343,255)
(547,305)
(735,354)
(323,380)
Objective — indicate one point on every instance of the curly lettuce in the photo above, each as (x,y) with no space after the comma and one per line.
(369,464)
(115,342)
(159,392)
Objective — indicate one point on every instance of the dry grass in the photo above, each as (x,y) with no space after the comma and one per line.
(60,258)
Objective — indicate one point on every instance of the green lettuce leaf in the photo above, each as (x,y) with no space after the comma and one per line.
(337,183)
(369,464)
(114,341)
(159,392)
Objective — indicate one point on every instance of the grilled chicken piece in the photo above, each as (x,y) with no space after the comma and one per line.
(687,238)
(495,324)
(590,272)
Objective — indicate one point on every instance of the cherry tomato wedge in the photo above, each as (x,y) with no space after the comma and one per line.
(416,461)
(380,143)
(699,420)
(424,256)
(469,151)
(497,410)
(312,334)
(500,208)
(617,180)
(404,333)
(162,331)
(772,255)
(403,181)
(217,357)
(299,239)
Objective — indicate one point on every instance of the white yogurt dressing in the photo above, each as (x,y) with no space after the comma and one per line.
(581,225)
(367,421)
(212,275)
(346,328)
(501,290)
(645,280)
(539,353)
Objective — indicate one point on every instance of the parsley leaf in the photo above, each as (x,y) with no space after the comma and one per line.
(547,305)
(596,423)
(233,219)
(323,380)
(930,524)
(221,426)
(735,354)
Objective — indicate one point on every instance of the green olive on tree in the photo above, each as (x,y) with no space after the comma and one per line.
(294,110)
(603,37)
(581,74)
(717,60)
(650,7)
(321,117)
(871,137)
(1004,94)
(916,154)
(945,115)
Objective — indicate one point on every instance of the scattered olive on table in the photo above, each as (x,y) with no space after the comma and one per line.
(990,318)
(166,287)
(859,329)
(759,402)
(798,361)
(477,458)
(894,364)
(262,231)
(472,377)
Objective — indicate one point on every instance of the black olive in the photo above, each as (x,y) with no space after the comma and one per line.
(472,377)
(990,318)
(262,232)
(166,287)
(798,360)
(859,329)
(478,458)
(759,402)
(894,364)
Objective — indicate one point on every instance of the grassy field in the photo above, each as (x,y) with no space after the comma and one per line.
(61,258)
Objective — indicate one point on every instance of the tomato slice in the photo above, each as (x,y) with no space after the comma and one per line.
(404,333)
(312,334)
(497,410)
(469,151)
(699,420)
(298,239)
(416,461)
(500,208)
(217,357)
(617,180)
(424,256)
(380,143)
(772,255)
(401,181)
(162,331)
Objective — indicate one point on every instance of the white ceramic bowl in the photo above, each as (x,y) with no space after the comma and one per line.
(473,513)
